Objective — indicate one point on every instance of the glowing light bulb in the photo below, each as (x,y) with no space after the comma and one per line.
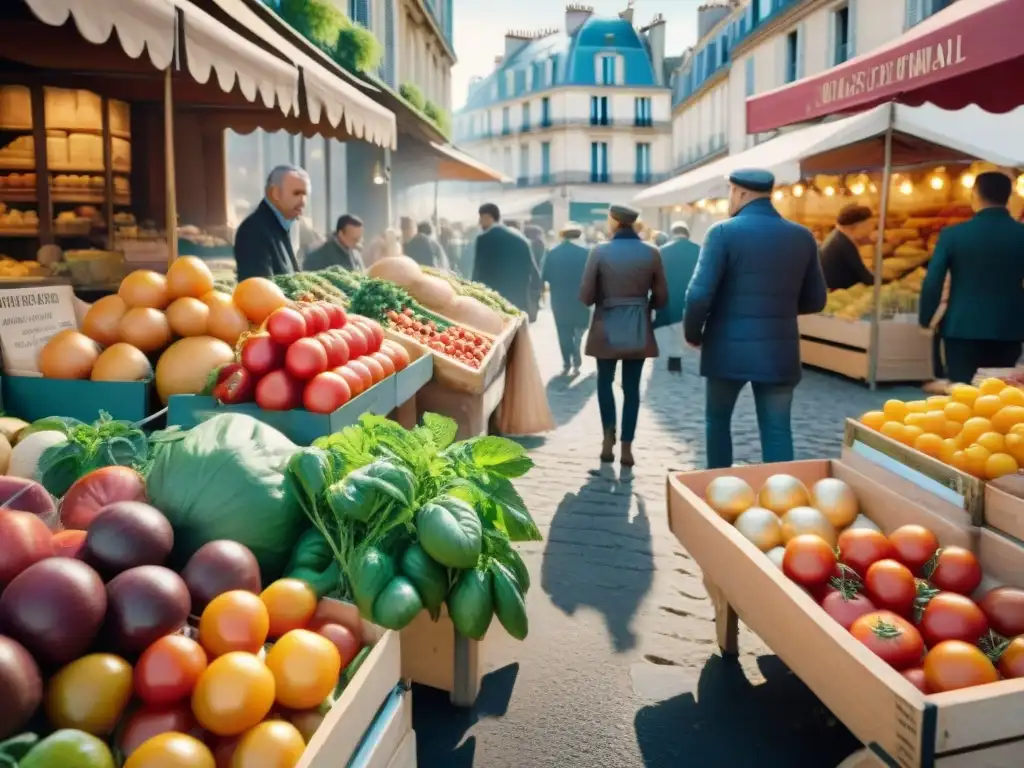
(1020,185)
(936,182)
(873,188)
(907,188)
(967,180)
(857,188)
(830,191)
(777,195)
(702,204)
(798,190)
(679,209)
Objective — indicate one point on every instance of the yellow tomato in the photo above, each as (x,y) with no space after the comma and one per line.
(873,419)
(1008,417)
(977,457)
(910,435)
(290,604)
(960,412)
(948,450)
(929,444)
(1015,446)
(952,429)
(992,386)
(233,694)
(973,429)
(273,744)
(1012,396)
(90,693)
(893,430)
(993,442)
(963,393)
(916,420)
(960,461)
(999,464)
(917,406)
(934,422)
(938,402)
(171,750)
(895,410)
(305,667)
(1017,429)
(987,406)
(234,621)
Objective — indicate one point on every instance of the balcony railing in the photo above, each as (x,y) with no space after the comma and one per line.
(570,122)
(586,177)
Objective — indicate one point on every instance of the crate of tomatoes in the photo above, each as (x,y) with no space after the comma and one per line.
(905,622)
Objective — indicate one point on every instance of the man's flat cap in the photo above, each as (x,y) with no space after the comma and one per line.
(753,179)
(572,229)
(624,214)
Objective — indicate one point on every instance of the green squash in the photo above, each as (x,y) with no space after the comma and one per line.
(509,606)
(471,604)
(428,576)
(397,604)
(449,530)
(371,572)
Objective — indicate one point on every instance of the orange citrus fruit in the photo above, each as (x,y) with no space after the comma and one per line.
(977,457)
(963,393)
(973,429)
(1012,396)
(1008,417)
(895,410)
(987,406)
(910,434)
(993,442)
(958,412)
(929,444)
(999,464)
(948,450)
(992,386)
(952,428)
(893,430)
(873,419)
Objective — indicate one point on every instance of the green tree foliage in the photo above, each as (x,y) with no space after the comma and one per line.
(438,117)
(413,95)
(357,49)
(316,20)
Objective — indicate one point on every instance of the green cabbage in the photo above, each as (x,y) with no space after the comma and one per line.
(226,479)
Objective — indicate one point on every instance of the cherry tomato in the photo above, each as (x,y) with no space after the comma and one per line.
(1004,608)
(290,604)
(286,326)
(234,693)
(808,560)
(335,314)
(954,664)
(385,361)
(917,678)
(358,344)
(357,367)
(167,671)
(305,359)
(353,379)
(234,385)
(234,621)
(891,586)
(316,318)
(890,637)
(399,354)
(274,742)
(277,391)
(260,354)
(845,608)
(914,546)
(954,569)
(326,393)
(305,666)
(949,616)
(1011,659)
(860,548)
(171,750)
(376,369)
(344,640)
(146,722)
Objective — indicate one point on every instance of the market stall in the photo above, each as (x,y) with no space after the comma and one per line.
(914,167)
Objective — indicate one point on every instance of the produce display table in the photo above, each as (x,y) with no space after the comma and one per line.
(435,654)
(34,397)
(843,346)
(901,725)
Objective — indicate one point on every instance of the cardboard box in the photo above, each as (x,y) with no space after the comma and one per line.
(31,398)
(972,727)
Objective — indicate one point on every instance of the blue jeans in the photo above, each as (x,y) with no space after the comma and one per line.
(631,371)
(773,403)
(569,338)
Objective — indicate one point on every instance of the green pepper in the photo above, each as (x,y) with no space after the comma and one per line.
(313,562)
(368,490)
(311,468)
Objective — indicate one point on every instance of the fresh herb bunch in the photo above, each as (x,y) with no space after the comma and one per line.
(105,443)
(485,295)
(375,298)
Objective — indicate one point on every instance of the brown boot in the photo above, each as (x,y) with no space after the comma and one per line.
(608,446)
(626,457)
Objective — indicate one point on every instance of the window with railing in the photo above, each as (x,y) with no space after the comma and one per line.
(642,111)
(599,162)
(545,112)
(545,162)
(506,121)
(526,115)
(599,110)
(524,164)
(643,163)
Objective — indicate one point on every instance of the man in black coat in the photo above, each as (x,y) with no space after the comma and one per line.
(263,246)
(341,250)
(503,260)
(424,249)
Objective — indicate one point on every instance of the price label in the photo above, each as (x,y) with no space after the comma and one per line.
(30,317)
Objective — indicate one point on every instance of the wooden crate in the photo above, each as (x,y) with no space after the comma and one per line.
(1004,505)
(343,730)
(436,655)
(405,757)
(389,732)
(973,727)
(841,346)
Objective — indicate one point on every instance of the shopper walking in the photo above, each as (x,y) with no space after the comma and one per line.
(538,249)
(263,245)
(755,275)
(503,261)
(424,249)
(623,280)
(563,272)
(342,250)
(680,260)
(983,326)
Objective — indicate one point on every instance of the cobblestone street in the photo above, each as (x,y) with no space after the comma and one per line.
(621,667)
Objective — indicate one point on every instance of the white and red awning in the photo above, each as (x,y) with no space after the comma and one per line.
(970,53)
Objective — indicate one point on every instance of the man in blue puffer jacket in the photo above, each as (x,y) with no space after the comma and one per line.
(757,272)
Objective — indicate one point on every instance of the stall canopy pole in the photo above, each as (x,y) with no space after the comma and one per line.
(171,187)
(876,312)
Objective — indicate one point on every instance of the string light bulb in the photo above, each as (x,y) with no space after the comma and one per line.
(936,183)
(1020,185)
(798,190)
(907,187)
(679,209)
(829,191)
(857,188)
(967,180)
(777,195)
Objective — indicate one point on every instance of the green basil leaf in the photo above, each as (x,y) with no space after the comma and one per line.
(442,428)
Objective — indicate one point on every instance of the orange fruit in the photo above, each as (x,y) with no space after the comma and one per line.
(917,406)
(1000,464)
(1012,396)
(1017,429)
(171,750)
(1008,417)
(910,435)
(305,667)
(234,693)
(234,621)
(960,461)
(963,393)
(873,419)
(987,406)
(189,276)
(929,444)
(257,297)
(916,420)
(895,410)
(144,288)
(934,422)
(1015,447)
(893,430)
(290,604)
(973,429)
(993,442)
(952,428)
(271,743)
(960,412)
(991,386)
(977,457)
(938,402)
(948,450)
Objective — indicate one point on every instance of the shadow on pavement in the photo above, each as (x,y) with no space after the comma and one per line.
(597,557)
(730,722)
(442,729)
(568,396)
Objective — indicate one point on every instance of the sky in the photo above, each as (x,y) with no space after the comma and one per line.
(480,26)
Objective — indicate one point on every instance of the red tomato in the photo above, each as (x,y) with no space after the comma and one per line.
(315,317)
(147,722)
(808,560)
(168,670)
(1004,609)
(385,362)
(342,637)
(954,569)
(286,326)
(914,545)
(277,391)
(1011,659)
(917,678)
(949,616)
(890,637)
(357,367)
(376,369)
(355,337)
(305,359)
(340,346)
(955,664)
(398,354)
(326,393)
(353,379)
(335,314)
(375,331)
(260,354)
(234,385)
(891,586)
(860,548)
(24,541)
(335,347)
(846,609)
(68,543)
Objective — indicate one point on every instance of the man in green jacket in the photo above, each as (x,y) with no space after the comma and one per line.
(984,322)
(680,260)
(563,272)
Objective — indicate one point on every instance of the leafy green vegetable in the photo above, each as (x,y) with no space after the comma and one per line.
(397,604)
(311,469)
(450,532)
(375,298)
(371,571)
(471,604)
(509,606)
(369,490)
(428,576)
(90,446)
(314,563)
